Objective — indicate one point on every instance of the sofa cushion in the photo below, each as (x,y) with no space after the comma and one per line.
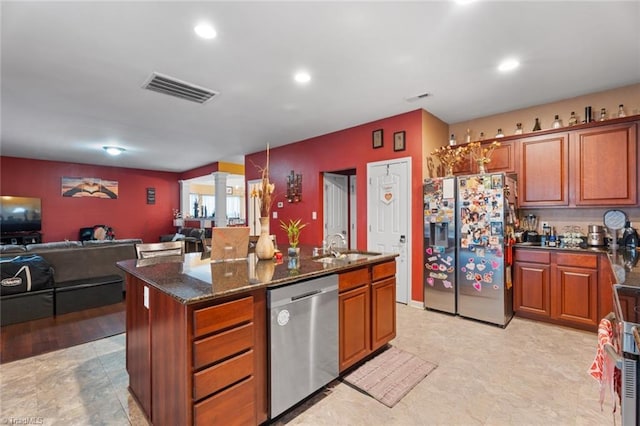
(53,246)
(111,242)
(12,248)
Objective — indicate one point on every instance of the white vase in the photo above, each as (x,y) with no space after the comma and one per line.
(264,246)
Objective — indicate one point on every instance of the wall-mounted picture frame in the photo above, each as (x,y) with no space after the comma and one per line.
(376,139)
(151,195)
(399,143)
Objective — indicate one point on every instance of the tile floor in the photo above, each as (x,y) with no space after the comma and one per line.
(527,374)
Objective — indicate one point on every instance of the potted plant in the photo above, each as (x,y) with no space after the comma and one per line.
(292,228)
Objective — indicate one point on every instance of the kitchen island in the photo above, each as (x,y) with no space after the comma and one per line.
(197,329)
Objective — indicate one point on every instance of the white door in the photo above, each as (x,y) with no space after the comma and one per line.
(336,211)
(388,216)
(253,210)
(353,235)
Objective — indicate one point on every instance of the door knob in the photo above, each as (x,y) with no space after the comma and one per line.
(403,239)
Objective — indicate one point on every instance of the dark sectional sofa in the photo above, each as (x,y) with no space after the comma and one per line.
(85,276)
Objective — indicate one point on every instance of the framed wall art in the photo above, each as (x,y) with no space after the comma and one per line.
(376,139)
(399,143)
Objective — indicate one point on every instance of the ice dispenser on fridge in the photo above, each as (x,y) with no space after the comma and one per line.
(439,244)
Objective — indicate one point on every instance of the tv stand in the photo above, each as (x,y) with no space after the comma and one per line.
(21,238)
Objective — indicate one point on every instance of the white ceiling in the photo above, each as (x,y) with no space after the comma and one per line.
(72,71)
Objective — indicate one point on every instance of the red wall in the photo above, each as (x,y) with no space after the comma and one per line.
(346,149)
(129,215)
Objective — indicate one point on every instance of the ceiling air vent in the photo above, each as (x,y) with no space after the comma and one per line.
(178,88)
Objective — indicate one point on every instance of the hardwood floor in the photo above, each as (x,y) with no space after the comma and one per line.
(31,338)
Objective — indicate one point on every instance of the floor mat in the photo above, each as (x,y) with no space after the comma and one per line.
(390,375)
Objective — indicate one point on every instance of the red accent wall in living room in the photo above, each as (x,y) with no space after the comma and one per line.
(62,217)
(346,149)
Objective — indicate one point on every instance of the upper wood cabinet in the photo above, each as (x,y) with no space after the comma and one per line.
(503,158)
(543,172)
(596,165)
(605,163)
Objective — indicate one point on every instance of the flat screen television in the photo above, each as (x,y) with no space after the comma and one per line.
(20,214)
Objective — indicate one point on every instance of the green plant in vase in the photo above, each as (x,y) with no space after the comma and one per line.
(293,228)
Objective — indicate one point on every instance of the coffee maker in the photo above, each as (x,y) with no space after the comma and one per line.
(530,223)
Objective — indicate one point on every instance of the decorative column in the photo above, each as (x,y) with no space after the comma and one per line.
(185,208)
(220,184)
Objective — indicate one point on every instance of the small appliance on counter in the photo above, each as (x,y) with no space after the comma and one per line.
(629,236)
(530,223)
(614,220)
(596,236)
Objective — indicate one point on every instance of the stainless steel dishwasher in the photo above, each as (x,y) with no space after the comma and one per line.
(303,344)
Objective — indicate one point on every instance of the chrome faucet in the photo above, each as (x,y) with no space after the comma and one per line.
(331,243)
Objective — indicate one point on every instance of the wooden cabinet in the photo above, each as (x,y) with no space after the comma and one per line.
(532,284)
(367,315)
(543,171)
(560,287)
(503,159)
(138,339)
(197,364)
(594,165)
(383,304)
(355,326)
(605,163)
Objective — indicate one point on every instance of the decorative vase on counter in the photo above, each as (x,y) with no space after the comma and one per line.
(264,246)
(293,251)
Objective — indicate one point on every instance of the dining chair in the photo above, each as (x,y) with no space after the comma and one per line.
(169,248)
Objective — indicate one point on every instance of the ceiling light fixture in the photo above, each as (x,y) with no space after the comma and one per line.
(205,31)
(113,150)
(508,65)
(302,77)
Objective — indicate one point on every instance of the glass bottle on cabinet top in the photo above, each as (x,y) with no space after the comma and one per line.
(499,134)
(573,120)
(557,123)
(452,140)
(621,112)
(481,138)
(518,129)
(603,114)
(536,126)
(467,137)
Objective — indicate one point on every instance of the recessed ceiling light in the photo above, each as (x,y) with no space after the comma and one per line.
(113,150)
(206,31)
(302,77)
(508,65)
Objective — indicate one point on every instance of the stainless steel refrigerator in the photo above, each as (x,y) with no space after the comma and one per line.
(440,244)
(486,217)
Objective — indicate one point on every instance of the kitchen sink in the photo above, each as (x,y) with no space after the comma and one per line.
(352,256)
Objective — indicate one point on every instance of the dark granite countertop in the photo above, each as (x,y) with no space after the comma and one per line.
(195,278)
(587,249)
(626,266)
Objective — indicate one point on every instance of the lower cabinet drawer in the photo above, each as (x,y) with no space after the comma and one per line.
(215,348)
(224,315)
(221,375)
(233,406)
(383,270)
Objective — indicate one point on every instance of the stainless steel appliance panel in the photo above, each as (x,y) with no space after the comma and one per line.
(303,340)
(486,205)
(626,302)
(439,244)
